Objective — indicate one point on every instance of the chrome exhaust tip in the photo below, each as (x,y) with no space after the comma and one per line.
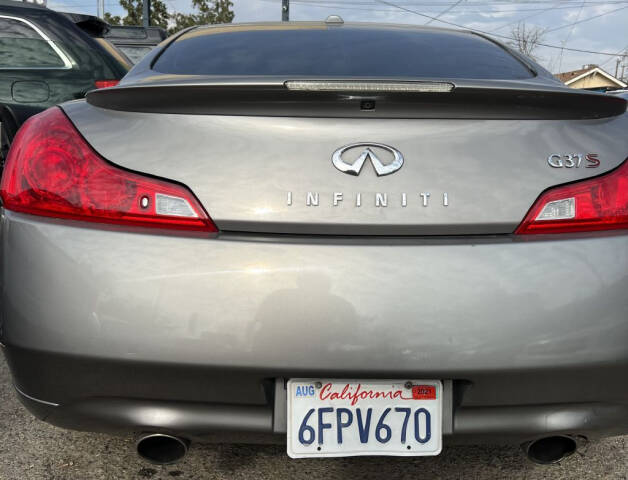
(548,450)
(161,449)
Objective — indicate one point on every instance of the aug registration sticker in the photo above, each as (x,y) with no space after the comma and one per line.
(335,418)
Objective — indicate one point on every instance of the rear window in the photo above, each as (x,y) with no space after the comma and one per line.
(318,50)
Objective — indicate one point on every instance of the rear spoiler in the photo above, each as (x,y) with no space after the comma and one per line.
(436,99)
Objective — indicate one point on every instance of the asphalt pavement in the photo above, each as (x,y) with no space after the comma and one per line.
(31,449)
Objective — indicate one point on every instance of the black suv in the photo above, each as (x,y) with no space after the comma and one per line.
(135,42)
(46,58)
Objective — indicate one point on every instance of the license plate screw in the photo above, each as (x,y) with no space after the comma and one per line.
(318,384)
(408,385)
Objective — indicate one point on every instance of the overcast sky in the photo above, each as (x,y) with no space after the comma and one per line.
(606,31)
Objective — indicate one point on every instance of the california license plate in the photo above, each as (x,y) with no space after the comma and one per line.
(337,418)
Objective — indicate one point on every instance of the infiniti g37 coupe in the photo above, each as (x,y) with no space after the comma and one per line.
(359,239)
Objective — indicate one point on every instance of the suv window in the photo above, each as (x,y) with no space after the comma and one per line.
(23,47)
(135,52)
(318,50)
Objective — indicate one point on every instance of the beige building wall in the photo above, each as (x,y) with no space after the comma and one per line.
(594,80)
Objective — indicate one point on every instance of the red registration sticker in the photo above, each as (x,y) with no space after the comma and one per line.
(424,392)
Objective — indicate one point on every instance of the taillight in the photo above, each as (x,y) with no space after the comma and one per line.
(106,83)
(599,203)
(53,172)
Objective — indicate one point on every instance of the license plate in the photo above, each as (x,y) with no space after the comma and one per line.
(337,418)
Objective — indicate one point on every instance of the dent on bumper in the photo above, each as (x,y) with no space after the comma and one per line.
(525,322)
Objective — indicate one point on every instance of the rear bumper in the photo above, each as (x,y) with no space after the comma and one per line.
(200,421)
(537,330)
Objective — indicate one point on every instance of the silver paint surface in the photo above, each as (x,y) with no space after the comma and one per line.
(450,307)
(241,168)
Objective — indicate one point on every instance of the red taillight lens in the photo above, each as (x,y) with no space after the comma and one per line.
(53,172)
(106,83)
(599,203)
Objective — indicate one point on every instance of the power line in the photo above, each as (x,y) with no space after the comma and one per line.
(586,19)
(344,6)
(448,9)
(524,18)
(490,33)
(483,5)
(625,49)
(560,60)
(457,25)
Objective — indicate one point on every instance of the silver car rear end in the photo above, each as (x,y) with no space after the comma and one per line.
(533,333)
(320,273)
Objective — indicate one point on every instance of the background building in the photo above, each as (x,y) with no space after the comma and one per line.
(590,77)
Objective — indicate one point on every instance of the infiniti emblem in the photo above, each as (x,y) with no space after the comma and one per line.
(341,159)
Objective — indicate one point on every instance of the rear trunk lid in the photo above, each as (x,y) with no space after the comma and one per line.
(270,159)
